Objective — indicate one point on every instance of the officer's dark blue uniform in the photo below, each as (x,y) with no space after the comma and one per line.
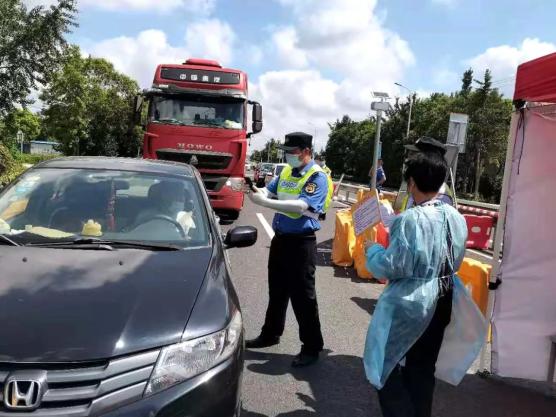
(292,263)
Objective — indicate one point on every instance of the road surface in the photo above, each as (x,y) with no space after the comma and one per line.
(336,386)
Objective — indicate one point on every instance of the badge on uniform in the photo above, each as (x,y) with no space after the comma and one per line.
(310,188)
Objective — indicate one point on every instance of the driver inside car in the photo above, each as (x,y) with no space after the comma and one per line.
(169,199)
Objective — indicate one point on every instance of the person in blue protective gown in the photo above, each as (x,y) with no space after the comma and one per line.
(425,322)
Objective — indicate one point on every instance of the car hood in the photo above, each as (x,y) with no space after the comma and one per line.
(80,305)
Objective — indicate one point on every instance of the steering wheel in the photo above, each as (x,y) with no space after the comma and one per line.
(165,218)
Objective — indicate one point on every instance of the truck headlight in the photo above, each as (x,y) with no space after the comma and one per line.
(236,184)
(185,360)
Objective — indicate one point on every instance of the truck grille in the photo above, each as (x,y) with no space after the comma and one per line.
(83,390)
(200,159)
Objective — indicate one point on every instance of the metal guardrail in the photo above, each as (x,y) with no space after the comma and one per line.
(347,193)
(352,190)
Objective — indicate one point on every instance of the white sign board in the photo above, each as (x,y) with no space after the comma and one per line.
(457,130)
(366,214)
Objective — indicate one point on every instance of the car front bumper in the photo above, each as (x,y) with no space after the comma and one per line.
(213,393)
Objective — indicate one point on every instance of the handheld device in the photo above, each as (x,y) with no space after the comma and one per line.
(250,184)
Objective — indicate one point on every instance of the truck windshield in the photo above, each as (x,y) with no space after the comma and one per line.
(196,110)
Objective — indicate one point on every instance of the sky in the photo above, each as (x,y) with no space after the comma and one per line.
(312,61)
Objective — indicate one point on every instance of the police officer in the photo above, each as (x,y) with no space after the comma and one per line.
(299,195)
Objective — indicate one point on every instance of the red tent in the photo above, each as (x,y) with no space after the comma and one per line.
(536,80)
(524,314)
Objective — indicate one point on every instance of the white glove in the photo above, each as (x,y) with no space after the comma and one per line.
(258,198)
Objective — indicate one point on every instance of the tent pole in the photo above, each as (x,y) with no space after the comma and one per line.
(500,226)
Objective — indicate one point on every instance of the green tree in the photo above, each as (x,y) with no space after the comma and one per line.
(19,120)
(480,168)
(31,45)
(270,152)
(89,108)
(466,82)
(349,148)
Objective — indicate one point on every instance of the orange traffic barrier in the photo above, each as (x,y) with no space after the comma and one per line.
(343,245)
(475,277)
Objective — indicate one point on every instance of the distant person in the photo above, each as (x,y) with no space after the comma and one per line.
(319,160)
(380,175)
(423,297)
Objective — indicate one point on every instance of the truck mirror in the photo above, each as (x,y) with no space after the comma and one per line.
(257,118)
(138,107)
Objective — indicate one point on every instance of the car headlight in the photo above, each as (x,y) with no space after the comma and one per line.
(236,184)
(185,360)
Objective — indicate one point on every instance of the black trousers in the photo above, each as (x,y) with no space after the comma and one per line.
(291,276)
(408,391)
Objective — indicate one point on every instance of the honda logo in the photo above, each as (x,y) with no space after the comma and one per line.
(24,390)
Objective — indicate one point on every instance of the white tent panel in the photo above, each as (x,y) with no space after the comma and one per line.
(525,306)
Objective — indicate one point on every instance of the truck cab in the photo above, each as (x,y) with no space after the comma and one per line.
(197,114)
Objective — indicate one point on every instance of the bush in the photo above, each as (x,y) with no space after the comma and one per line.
(33,159)
(9,167)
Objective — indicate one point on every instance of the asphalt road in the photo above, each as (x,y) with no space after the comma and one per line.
(336,386)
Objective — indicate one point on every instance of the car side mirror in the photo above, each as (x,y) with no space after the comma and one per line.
(241,237)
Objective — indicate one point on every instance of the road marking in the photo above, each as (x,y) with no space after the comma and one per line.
(266,226)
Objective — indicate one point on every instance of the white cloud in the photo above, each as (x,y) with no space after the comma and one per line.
(288,53)
(296,100)
(211,38)
(349,41)
(503,61)
(139,56)
(204,7)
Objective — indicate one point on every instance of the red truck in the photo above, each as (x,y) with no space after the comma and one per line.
(197,114)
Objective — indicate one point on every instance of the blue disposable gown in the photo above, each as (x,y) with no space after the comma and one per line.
(412,264)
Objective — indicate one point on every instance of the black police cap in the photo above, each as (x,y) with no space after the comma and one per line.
(427,144)
(297,140)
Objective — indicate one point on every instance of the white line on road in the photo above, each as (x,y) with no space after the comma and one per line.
(266,226)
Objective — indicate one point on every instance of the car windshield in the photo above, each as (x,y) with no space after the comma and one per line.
(196,110)
(267,167)
(50,204)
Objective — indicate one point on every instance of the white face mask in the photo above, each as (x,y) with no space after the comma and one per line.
(293,160)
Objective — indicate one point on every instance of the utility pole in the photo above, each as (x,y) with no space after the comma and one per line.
(379,107)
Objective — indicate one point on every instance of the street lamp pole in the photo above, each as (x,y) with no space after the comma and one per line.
(411,93)
(20,139)
(379,107)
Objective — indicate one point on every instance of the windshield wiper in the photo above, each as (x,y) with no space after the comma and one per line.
(108,244)
(6,239)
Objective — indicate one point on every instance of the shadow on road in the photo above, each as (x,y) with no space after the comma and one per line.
(340,389)
(367,304)
(337,382)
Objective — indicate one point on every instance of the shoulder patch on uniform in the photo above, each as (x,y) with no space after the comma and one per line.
(310,188)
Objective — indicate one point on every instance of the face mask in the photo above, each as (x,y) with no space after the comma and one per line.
(293,160)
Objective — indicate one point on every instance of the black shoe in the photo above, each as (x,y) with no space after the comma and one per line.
(261,342)
(305,359)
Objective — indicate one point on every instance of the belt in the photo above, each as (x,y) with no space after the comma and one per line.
(310,234)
